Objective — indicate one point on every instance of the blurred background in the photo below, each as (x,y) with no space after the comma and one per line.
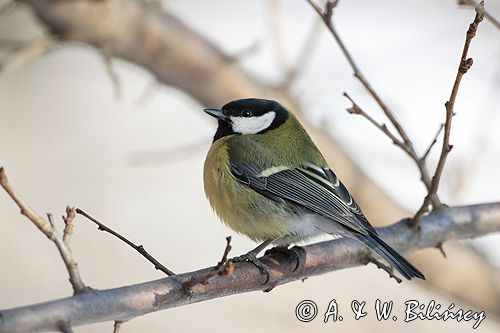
(118,143)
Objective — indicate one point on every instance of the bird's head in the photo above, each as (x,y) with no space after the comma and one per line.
(248,116)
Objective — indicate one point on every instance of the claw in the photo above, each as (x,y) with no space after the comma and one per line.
(295,252)
(250,257)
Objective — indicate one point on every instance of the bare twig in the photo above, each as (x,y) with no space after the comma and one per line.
(138,248)
(388,269)
(128,302)
(408,147)
(51,220)
(433,142)
(68,224)
(487,15)
(440,247)
(223,268)
(116,326)
(108,64)
(33,50)
(356,109)
(463,67)
(49,231)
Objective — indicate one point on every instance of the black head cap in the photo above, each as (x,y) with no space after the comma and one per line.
(247,108)
(256,106)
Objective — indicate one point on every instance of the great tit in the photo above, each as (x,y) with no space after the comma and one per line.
(265,178)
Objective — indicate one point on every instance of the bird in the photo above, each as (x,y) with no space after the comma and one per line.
(266,179)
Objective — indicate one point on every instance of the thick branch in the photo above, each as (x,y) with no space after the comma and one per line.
(121,304)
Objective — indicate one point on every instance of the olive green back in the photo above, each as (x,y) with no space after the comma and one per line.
(288,145)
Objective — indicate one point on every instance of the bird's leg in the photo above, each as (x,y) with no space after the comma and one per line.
(251,256)
(296,252)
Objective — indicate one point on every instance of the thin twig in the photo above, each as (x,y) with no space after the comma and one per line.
(117,325)
(31,51)
(223,267)
(487,15)
(51,232)
(51,220)
(463,67)
(326,16)
(427,152)
(356,109)
(439,246)
(108,64)
(384,267)
(138,248)
(68,224)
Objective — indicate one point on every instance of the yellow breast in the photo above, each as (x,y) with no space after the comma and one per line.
(238,206)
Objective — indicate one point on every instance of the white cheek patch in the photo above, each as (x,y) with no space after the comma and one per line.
(252,125)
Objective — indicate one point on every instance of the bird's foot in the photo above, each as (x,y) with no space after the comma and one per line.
(252,258)
(297,253)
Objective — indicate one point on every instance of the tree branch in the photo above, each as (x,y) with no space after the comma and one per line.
(487,15)
(108,64)
(68,224)
(121,304)
(356,109)
(49,230)
(463,67)
(433,142)
(384,267)
(138,248)
(407,145)
(28,52)
(223,267)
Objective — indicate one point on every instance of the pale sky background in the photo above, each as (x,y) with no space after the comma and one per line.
(65,139)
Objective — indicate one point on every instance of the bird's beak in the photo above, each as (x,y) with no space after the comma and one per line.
(216,113)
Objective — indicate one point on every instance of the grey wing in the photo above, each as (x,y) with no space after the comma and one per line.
(347,198)
(311,187)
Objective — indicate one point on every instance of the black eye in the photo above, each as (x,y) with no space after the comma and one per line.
(246,113)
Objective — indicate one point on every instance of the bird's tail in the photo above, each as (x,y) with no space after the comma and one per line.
(396,260)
